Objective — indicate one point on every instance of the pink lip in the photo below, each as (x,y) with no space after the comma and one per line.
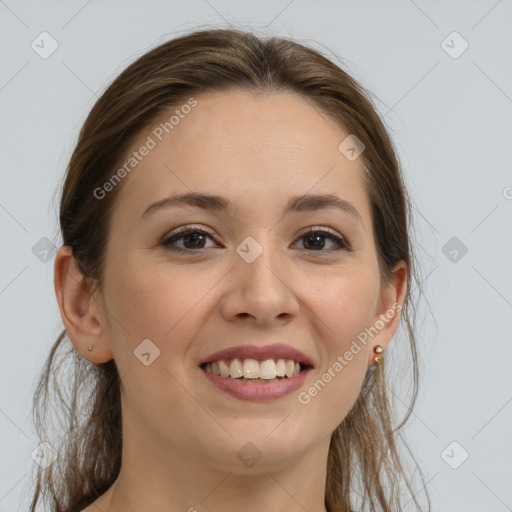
(276,351)
(254,391)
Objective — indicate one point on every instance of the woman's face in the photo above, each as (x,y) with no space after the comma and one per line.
(251,276)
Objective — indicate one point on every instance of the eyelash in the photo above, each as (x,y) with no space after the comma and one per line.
(343,243)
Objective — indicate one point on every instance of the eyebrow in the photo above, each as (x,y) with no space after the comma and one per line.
(304,203)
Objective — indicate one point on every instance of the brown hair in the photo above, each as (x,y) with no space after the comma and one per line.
(364,460)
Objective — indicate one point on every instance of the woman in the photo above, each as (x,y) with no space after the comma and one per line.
(235,263)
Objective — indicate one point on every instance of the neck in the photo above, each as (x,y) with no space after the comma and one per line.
(152,479)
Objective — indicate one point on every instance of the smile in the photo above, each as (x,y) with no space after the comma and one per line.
(251,370)
(275,378)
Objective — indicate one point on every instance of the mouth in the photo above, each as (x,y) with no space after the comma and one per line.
(256,371)
(256,380)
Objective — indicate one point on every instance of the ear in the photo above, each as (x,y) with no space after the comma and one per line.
(391,301)
(82,313)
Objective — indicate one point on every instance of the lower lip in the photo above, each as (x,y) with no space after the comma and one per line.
(255,391)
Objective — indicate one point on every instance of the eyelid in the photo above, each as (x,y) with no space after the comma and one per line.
(186,227)
(346,243)
(323,229)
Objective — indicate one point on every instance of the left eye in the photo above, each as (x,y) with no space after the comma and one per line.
(315,236)
(194,238)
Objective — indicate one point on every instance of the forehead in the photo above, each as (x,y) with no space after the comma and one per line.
(236,144)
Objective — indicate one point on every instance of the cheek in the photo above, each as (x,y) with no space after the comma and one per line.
(157,302)
(148,304)
(346,304)
(351,319)
(148,300)
(346,311)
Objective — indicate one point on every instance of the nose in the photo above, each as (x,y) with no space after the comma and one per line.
(261,291)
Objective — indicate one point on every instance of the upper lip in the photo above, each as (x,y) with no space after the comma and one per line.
(259,353)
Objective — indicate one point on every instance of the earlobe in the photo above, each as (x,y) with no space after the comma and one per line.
(390,306)
(80,311)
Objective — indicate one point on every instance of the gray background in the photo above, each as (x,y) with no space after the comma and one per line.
(450,116)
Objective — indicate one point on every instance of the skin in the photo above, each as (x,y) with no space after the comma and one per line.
(182,435)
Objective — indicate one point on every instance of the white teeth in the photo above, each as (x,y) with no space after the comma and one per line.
(268,369)
(290,367)
(281,368)
(235,369)
(252,369)
(224,369)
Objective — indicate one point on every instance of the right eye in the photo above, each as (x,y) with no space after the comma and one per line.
(191,236)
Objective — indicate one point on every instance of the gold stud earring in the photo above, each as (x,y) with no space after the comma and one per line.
(378,350)
(89,348)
